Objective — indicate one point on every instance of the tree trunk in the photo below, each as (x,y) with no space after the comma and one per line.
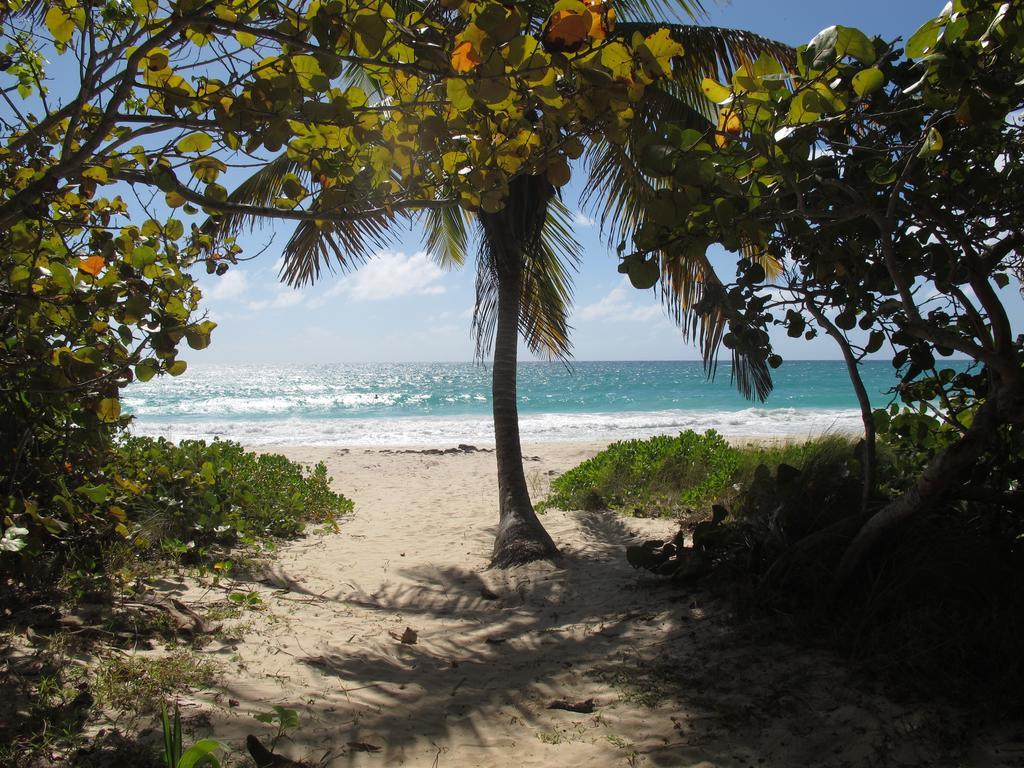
(863,400)
(521,538)
(945,471)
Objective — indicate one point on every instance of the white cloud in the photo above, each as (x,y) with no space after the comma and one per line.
(389,275)
(228,286)
(283,298)
(617,307)
(582,220)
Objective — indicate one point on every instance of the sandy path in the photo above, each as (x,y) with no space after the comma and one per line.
(673,684)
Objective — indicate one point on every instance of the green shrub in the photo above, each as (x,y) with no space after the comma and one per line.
(175,500)
(200,492)
(660,475)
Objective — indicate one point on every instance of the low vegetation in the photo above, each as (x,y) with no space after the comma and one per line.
(188,502)
(682,475)
(940,606)
(150,507)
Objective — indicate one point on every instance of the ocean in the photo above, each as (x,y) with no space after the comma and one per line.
(444,404)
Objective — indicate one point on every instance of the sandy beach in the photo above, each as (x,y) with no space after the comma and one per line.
(672,682)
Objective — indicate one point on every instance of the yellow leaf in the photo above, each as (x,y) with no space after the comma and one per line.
(109,409)
(96,173)
(715,91)
(464,57)
(92,265)
(566,31)
(195,142)
(60,24)
(729,124)
(663,48)
(603,18)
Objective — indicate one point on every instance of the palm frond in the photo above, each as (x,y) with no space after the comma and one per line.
(653,10)
(547,285)
(616,189)
(485,304)
(689,280)
(447,234)
(619,191)
(531,238)
(258,190)
(342,243)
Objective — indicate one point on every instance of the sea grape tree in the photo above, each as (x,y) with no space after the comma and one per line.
(123,121)
(889,182)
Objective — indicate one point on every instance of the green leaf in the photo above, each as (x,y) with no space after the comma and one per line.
(174,229)
(558,172)
(143,256)
(806,107)
(881,418)
(643,273)
(216,192)
(821,51)
(177,368)
(198,335)
(62,276)
(96,173)
(145,370)
(174,199)
(922,40)
(867,81)
(853,42)
(882,174)
(288,717)
(195,142)
(97,494)
(201,754)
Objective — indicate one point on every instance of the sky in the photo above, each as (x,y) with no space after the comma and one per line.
(401,306)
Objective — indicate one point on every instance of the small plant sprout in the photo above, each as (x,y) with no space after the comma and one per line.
(285,718)
(202,754)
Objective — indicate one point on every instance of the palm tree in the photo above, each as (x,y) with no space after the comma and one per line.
(527,254)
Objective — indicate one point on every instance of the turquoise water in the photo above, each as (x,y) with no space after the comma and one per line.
(448,403)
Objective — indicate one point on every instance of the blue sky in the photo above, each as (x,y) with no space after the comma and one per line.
(402,307)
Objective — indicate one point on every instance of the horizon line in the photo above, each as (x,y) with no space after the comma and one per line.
(724,363)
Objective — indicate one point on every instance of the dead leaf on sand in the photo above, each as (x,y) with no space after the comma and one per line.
(362,746)
(586,706)
(408,637)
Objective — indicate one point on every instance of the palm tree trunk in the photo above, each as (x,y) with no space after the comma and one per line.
(521,538)
(509,233)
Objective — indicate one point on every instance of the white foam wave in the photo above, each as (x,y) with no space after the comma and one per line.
(548,427)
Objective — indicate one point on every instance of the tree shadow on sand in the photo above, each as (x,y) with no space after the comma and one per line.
(673,683)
